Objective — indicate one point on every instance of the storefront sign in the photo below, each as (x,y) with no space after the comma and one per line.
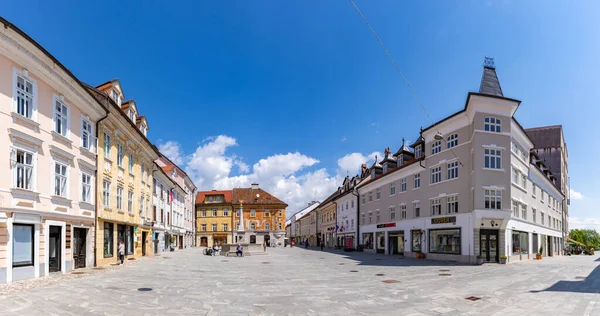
(386,225)
(443,220)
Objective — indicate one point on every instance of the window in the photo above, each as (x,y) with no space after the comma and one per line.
(203,227)
(493,199)
(403,211)
(520,242)
(362,219)
(549,197)
(542,199)
(417,208)
(492,124)
(106,193)
(377,217)
(107,146)
(162,190)
(377,195)
(225,212)
(60,179)
(130,202)
(515,175)
(352,223)
(418,151)
(279,226)
(417,180)
(452,204)
(392,213)
(385,168)
(267,213)
(108,240)
(280,213)
(210,198)
(129,240)
(436,207)
(23,240)
(86,188)
(542,217)
(534,219)
(132,115)
(131,163)
(370,196)
(534,190)
(363,199)
(61,114)
(252,213)
(86,134)
(267,226)
(452,170)
(524,211)
(119,198)
(120,155)
(203,213)
(444,241)
(370,217)
(452,140)
(549,221)
(403,184)
(515,205)
(352,203)
(116,97)
(523,181)
(23,169)
(436,147)
(252,226)
(214,227)
(493,159)
(218,199)
(436,175)
(24,97)
(214,212)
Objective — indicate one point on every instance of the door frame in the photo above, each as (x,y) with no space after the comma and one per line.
(490,232)
(74,244)
(144,241)
(63,243)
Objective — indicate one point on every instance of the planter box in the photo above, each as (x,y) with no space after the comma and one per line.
(502,260)
(538,256)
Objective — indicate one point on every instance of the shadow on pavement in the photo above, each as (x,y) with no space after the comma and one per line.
(371,259)
(589,284)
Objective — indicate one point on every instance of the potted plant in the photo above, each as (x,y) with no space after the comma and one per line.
(503,259)
(172,242)
(538,255)
(420,255)
(480,259)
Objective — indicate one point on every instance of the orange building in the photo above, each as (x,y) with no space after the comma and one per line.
(263,217)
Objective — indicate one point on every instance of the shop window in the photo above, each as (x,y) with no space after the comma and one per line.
(520,242)
(129,240)
(252,239)
(368,240)
(444,241)
(22,245)
(416,240)
(108,240)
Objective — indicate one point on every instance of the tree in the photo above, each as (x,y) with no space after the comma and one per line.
(588,237)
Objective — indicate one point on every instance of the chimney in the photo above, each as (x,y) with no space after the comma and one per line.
(254,186)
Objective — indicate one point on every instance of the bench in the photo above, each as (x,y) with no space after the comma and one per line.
(233,253)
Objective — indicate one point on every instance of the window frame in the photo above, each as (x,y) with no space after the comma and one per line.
(33,254)
(252,213)
(490,199)
(64,118)
(107,142)
(88,186)
(436,147)
(492,124)
(393,188)
(436,206)
(63,190)
(106,194)
(119,198)
(452,204)
(436,174)
(452,141)
(87,134)
(417,181)
(16,166)
(452,170)
(403,184)
(34,95)
(131,163)
(417,209)
(111,252)
(431,244)
(130,202)
(120,154)
(492,158)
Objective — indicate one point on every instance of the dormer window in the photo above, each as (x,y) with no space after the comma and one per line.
(385,168)
(400,160)
(132,116)
(492,124)
(418,151)
(373,174)
(116,97)
(145,131)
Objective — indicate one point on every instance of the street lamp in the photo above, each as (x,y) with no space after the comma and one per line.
(438,136)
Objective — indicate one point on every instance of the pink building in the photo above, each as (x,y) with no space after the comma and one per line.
(48,156)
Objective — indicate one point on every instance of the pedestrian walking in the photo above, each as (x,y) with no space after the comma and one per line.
(265,246)
(122,251)
(322,245)
(306,244)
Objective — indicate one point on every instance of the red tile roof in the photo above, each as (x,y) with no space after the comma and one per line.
(202,195)
(249,196)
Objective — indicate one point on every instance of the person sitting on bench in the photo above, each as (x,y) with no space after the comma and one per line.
(239,251)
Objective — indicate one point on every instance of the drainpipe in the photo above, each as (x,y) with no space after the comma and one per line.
(96,188)
(355,193)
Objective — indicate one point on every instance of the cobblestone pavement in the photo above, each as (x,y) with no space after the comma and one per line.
(309,282)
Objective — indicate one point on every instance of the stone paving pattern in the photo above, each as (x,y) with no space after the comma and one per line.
(310,282)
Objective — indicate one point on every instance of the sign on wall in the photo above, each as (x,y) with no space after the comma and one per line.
(443,220)
(386,225)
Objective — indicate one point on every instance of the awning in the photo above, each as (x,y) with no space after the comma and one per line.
(576,242)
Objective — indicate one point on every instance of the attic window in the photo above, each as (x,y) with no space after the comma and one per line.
(116,97)
(132,115)
(385,168)
(373,174)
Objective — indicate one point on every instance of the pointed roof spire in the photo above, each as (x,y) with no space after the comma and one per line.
(489,81)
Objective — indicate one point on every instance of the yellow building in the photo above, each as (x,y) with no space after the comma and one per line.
(214,218)
(125,159)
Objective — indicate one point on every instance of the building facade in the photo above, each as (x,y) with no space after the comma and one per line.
(47,202)
(167,200)
(183,214)
(471,186)
(346,213)
(125,159)
(295,226)
(259,217)
(327,215)
(214,218)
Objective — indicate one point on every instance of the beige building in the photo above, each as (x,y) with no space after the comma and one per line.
(48,152)
(470,186)
(327,221)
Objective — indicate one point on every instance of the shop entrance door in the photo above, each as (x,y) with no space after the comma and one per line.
(488,245)
(79,247)
(54,259)
(396,244)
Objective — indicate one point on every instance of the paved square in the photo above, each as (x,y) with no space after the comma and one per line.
(310,282)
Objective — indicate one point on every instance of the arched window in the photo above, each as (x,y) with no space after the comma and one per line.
(252,239)
(452,140)
(492,124)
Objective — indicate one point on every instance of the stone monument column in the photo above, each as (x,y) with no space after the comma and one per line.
(240,227)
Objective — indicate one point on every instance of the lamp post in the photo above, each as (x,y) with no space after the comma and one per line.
(240,227)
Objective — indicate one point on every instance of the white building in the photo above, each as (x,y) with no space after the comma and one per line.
(167,205)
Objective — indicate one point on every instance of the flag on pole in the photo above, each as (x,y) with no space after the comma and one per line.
(171,196)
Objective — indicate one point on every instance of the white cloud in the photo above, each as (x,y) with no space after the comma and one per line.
(344,139)
(584,223)
(575,195)
(171,150)
(288,176)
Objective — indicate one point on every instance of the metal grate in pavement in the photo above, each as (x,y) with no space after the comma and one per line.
(144,289)
(98,268)
(389,281)
(77,272)
(445,274)
(444,270)
(473,298)
(379,274)
(266,262)
(353,270)
(224,260)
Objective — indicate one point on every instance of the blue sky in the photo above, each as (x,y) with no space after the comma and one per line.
(280,91)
